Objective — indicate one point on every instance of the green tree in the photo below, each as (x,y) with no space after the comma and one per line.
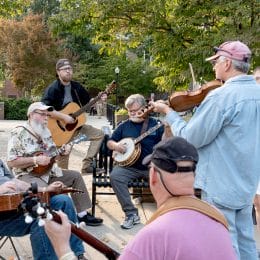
(29,52)
(11,8)
(178,32)
(134,76)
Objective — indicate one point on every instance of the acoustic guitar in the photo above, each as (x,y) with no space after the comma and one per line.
(31,205)
(11,201)
(42,169)
(61,132)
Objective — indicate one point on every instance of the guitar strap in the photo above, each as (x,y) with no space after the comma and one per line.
(187,202)
(77,95)
(145,125)
(39,140)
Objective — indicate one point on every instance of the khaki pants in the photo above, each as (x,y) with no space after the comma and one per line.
(95,136)
(70,179)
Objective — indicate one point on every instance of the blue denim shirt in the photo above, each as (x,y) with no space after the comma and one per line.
(226,131)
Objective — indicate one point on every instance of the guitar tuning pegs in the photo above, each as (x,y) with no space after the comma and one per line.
(28,219)
(40,209)
(49,216)
(41,222)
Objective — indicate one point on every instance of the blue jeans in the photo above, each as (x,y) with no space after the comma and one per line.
(41,246)
(240,228)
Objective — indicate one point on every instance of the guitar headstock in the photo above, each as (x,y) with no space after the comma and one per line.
(31,205)
(110,88)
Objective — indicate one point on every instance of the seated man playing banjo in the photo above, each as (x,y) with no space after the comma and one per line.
(29,151)
(12,222)
(131,141)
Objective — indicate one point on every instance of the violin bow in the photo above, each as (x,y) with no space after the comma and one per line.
(195,84)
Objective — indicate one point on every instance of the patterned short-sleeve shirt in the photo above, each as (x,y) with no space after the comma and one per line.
(23,144)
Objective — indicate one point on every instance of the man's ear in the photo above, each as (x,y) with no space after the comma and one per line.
(153,176)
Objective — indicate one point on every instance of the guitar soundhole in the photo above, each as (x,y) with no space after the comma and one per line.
(60,126)
(70,127)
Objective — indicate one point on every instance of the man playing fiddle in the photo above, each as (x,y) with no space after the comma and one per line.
(226,131)
(120,176)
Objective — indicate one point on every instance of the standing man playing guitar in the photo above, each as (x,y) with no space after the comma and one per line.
(29,148)
(62,92)
(12,223)
(121,175)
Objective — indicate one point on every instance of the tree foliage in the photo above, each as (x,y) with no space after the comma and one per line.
(174,32)
(13,8)
(28,52)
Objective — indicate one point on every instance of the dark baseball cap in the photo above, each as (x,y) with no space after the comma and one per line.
(170,150)
(62,62)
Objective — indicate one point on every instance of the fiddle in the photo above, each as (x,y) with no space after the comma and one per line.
(184,100)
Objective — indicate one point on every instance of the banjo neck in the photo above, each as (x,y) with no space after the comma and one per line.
(148,132)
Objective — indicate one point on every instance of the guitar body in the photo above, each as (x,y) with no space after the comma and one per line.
(11,201)
(42,169)
(62,133)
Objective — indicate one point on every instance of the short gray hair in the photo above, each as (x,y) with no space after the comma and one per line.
(135,98)
(241,66)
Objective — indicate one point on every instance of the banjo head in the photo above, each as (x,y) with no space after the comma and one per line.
(130,147)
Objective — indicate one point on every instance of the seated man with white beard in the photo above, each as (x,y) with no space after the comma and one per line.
(120,176)
(26,140)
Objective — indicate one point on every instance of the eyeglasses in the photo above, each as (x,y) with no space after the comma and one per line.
(217,60)
(134,110)
(65,69)
(42,114)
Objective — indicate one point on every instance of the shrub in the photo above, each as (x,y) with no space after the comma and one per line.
(16,109)
(122,111)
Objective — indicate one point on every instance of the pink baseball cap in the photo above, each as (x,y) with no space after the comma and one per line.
(235,50)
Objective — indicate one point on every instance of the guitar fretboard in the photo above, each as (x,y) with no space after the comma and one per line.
(75,141)
(108,90)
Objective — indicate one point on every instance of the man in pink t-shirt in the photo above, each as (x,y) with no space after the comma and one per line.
(182,228)
(176,231)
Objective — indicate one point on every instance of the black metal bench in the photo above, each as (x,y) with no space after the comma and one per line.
(104,161)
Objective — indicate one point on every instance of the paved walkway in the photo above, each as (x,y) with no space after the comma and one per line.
(107,208)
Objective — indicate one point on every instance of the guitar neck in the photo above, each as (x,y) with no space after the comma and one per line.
(75,141)
(83,109)
(91,240)
(151,130)
(86,107)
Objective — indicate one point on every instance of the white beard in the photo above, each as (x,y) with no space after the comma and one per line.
(136,119)
(40,129)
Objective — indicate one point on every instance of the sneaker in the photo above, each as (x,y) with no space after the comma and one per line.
(82,257)
(90,220)
(130,221)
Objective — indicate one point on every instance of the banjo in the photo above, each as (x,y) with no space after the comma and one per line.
(133,148)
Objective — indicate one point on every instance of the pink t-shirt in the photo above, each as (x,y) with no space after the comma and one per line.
(181,234)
